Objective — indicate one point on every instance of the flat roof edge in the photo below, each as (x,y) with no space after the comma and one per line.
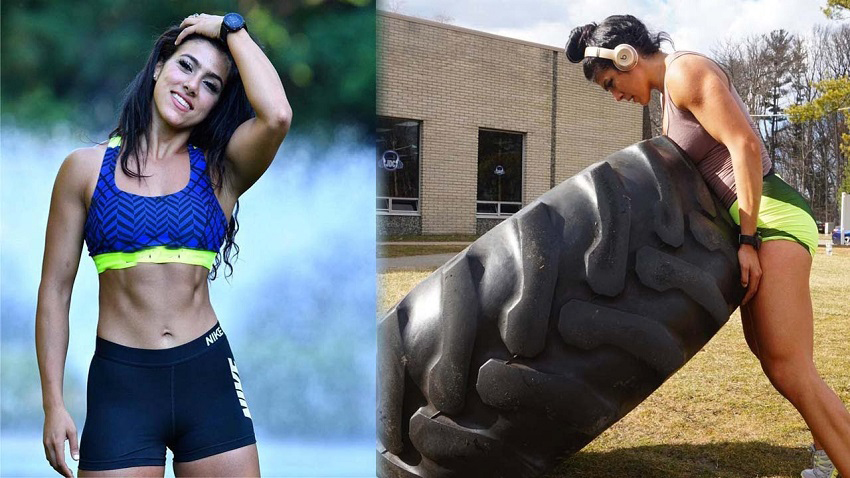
(471,31)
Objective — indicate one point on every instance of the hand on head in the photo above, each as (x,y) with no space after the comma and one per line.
(202,24)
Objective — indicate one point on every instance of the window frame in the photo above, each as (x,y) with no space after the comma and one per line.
(417,201)
(499,214)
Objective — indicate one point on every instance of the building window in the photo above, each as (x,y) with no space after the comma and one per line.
(499,173)
(398,166)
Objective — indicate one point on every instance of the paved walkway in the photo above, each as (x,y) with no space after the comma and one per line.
(427,262)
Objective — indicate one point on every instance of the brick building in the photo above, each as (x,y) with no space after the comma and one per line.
(472,126)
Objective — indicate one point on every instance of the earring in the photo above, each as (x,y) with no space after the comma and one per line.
(154,77)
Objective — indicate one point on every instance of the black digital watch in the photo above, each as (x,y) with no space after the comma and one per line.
(230,23)
(754,240)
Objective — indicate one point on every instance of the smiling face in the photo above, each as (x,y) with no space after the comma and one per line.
(189,83)
(625,85)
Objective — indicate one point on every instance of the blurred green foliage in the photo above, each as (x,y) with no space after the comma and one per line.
(70,61)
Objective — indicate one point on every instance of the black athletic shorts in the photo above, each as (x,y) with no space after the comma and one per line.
(188,398)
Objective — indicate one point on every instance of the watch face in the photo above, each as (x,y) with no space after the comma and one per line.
(233,21)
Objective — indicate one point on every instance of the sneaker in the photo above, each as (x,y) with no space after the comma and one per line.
(822,466)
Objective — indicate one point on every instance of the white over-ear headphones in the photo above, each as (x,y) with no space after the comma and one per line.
(624,56)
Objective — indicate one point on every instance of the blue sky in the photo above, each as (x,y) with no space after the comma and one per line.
(693,25)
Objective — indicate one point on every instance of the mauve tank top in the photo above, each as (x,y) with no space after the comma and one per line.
(711,157)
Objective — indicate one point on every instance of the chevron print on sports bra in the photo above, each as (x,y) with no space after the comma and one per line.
(123,229)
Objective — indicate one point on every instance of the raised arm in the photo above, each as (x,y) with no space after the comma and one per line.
(700,86)
(62,248)
(255,142)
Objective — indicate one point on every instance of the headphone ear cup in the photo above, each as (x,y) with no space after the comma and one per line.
(625,57)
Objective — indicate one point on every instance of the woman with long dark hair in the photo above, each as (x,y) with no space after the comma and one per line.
(200,123)
(705,116)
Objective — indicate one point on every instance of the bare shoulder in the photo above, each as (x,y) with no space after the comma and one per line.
(691,77)
(85,156)
(80,169)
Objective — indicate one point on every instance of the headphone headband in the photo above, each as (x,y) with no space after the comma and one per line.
(595,51)
(624,56)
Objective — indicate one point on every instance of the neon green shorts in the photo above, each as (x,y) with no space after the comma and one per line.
(783,214)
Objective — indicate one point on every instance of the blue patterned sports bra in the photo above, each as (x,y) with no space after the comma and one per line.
(123,229)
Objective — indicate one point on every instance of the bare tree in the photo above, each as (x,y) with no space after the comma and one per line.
(773,71)
(392,6)
(812,159)
(749,69)
(832,44)
(831,60)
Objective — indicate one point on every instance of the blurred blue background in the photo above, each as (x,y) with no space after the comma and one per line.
(299,310)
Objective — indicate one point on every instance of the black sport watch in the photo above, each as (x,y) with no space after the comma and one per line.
(230,23)
(754,240)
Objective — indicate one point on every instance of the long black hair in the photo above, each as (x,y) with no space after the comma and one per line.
(211,135)
(613,31)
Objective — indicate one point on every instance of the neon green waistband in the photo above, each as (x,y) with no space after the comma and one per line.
(783,215)
(157,254)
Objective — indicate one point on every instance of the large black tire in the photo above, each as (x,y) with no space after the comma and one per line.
(555,324)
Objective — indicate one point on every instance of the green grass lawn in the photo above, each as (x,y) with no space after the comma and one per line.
(718,416)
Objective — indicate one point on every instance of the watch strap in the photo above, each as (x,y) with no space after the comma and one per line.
(754,240)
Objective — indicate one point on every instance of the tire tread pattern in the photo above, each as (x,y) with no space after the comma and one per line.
(556,323)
